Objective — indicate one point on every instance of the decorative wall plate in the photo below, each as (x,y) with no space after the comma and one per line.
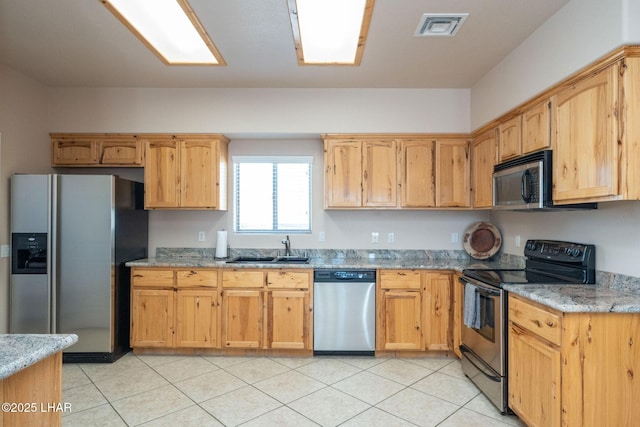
(482,240)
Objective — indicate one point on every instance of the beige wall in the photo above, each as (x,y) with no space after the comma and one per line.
(343,229)
(23,148)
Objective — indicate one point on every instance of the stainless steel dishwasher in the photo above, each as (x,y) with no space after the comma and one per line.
(344,312)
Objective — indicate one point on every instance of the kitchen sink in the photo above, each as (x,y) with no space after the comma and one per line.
(293,258)
(251,259)
(269,259)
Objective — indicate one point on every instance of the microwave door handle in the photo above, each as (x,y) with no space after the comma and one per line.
(525,186)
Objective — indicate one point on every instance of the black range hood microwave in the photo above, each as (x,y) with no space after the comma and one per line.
(525,184)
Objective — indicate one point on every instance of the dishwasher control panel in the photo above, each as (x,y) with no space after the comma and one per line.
(344,275)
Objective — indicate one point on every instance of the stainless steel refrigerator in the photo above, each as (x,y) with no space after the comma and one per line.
(71,236)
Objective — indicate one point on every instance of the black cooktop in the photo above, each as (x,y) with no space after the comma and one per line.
(546,262)
(499,277)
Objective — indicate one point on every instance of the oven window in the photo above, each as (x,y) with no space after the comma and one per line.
(487,318)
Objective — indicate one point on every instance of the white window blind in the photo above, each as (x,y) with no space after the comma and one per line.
(272,194)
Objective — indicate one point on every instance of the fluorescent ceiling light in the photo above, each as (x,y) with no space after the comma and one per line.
(169,28)
(330,31)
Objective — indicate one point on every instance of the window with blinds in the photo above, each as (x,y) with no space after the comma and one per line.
(272,194)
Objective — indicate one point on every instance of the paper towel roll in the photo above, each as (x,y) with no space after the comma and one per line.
(221,244)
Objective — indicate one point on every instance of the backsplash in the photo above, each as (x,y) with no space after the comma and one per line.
(610,280)
(209,253)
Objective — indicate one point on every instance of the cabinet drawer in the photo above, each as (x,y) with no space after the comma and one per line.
(400,279)
(152,277)
(197,278)
(544,323)
(288,279)
(242,279)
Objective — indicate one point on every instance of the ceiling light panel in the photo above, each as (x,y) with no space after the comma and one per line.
(330,31)
(169,28)
(440,24)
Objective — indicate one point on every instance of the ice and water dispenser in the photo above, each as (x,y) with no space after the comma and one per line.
(29,253)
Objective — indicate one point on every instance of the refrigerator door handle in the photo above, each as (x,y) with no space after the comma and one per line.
(53,253)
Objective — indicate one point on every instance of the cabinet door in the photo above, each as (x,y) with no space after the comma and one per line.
(152,318)
(343,174)
(74,152)
(585,164)
(534,379)
(197,318)
(452,174)
(288,320)
(510,139)
(399,321)
(417,174)
(242,318)
(121,153)
(379,174)
(162,175)
(199,174)
(483,159)
(438,313)
(536,128)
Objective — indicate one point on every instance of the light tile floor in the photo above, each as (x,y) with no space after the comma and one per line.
(275,391)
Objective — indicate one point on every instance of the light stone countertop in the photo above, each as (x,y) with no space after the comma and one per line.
(19,351)
(580,298)
(601,297)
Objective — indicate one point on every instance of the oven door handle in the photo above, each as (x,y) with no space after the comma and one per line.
(482,289)
(465,352)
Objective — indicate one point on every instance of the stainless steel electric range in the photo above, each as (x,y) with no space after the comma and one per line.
(484,332)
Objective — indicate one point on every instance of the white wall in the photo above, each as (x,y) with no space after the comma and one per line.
(279,122)
(614,228)
(575,36)
(343,229)
(24,127)
(259,111)
(578,34)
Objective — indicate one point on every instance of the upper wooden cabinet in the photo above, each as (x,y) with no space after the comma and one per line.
(396,171)
(526,132)
(536,127)
(417,178)
(96,150)
(510,138)
(452,173)
(585,163)
(360,173)
(483,155)
(186,172)
(596,140)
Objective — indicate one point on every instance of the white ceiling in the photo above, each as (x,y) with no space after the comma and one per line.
(79,43)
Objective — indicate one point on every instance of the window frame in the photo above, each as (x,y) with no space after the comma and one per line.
(274,161)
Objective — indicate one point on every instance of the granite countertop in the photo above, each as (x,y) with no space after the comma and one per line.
(581,298)
(319,263)
(19,351)
(601,297)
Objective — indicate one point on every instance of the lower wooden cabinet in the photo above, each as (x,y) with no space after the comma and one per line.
(196,318)
(288,319)
(572,369)
(152,318)
(414,310)
(174,308)
(267,308)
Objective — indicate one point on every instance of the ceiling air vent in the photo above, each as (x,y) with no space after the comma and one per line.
(440,24)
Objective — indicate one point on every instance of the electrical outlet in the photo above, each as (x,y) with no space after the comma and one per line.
(518,243)
(321,236)
(454,238)
(375,237)
(391,237)
(4,251)
(201,236)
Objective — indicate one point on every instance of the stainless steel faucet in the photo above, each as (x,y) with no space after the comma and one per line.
(287,246)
